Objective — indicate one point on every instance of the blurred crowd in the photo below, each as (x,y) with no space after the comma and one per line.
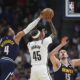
(18,14)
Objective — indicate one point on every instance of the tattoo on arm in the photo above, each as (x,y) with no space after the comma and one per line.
(54,32)
(53,28)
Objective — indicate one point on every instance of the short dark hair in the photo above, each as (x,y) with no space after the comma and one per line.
(4,31)
(40,27)
(34,32)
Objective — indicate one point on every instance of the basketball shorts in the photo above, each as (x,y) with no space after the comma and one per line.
(40,73)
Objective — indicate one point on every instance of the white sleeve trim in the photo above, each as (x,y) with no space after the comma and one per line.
(31,25)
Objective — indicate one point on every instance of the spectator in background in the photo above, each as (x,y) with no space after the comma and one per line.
(73,53)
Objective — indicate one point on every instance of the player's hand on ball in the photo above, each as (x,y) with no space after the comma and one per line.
(47,14)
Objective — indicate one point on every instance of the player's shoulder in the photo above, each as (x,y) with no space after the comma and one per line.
(47,38)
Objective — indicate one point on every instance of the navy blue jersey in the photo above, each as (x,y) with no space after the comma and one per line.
(65,73)
(8,47)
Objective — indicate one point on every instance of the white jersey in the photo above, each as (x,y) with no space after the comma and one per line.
(39,51)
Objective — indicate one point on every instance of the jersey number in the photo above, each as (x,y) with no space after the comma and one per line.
(36,56)
(67,76)
(6,50)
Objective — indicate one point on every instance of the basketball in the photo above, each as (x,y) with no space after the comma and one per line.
(48,13)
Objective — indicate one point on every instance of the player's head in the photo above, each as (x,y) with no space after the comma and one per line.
(63,54)
(6,30)
(43,32)
(37,34)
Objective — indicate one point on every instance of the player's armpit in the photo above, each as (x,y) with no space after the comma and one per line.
(19,36)
(76,62)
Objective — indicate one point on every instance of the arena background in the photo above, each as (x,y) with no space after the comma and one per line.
(19,13)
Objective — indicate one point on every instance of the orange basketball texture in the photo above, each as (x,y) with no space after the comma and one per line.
(48,13)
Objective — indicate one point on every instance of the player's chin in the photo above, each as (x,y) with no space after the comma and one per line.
(63,58)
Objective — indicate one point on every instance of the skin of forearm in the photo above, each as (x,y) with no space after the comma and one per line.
(54,32)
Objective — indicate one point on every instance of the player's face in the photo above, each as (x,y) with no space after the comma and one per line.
(63,54)
(42,35)
(11,32)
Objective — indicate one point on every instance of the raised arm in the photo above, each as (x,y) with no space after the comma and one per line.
(53,29)
(76,62)
(53,58)
(49,19)
(27,29)
(32,25)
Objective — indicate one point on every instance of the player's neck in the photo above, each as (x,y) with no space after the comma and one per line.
(65,62)
(37,39)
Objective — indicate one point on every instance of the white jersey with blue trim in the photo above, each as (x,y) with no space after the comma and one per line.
(39,51)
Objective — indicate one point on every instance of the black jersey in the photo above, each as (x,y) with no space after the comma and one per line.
(8,47)
(64,73)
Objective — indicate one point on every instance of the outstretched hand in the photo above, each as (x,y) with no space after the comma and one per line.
(64,41)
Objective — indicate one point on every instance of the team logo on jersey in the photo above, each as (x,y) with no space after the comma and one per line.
(6,42)
(67,70)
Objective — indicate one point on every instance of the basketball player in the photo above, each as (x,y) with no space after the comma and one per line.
(63,67)
(38,49)
(9,47)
